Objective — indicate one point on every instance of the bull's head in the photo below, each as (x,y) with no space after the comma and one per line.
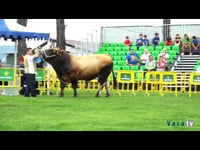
(48,53)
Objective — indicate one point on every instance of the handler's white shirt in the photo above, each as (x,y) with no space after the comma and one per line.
(30,64)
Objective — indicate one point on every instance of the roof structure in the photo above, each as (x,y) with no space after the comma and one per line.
(14,31)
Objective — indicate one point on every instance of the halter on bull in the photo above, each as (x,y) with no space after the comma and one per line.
(70,69)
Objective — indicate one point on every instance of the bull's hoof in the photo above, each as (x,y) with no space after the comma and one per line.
(107,95)
(96,95)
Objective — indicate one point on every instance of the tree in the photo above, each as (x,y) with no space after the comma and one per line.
(21,43)
(60,28)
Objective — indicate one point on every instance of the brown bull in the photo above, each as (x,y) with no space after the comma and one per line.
(70,69)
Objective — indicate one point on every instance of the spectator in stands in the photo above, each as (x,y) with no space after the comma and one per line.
(177,40)
(145,41)
(156,40)
(165,54)
(139,41)
(186,44)
(161,65)
(168,42)
(127,41)
(150,64)
(165,57)
(195,44)
(144,57)
(132,58)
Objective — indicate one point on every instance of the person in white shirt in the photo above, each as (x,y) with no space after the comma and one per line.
(30,72)
(144,57)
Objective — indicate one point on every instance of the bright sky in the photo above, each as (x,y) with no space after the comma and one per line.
(77,29)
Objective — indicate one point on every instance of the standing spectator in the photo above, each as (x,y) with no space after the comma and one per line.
(30,72)
(161,65)
(145,41)
(156,40)
(186,44)
(195,44)
(127,41)
(132,58)
(139,41)
(144,57)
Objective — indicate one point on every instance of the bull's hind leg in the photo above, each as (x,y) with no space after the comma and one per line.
(107,88)
(100,89)
(62,87)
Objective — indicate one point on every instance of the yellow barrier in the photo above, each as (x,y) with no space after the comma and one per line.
(9,81)
(127,80)
(194,83)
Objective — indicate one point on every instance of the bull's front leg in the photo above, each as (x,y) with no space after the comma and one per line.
(62,87)
(74,86)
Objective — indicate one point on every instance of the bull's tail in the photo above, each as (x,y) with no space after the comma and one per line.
(114,80)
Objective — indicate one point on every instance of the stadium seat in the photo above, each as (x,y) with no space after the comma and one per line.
(134,68)
(175,48)
(117,58)
(139,53)
(116,68)
(158,48)
(113,53)
(115,63)
(102,49)
(125,67)
(114,44)
(150,48)
(121,63)
(125,49)
(198,62)
(122,53)
(172,52)
(162,43)
(106,44)
(109,49)
(141,48)
(117,48)
(134,48)
(121,44)
(167,47)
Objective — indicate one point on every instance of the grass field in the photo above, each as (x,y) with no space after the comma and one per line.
(88,113)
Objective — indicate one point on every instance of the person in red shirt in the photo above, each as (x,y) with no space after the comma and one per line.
(127,41)
(168,41)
